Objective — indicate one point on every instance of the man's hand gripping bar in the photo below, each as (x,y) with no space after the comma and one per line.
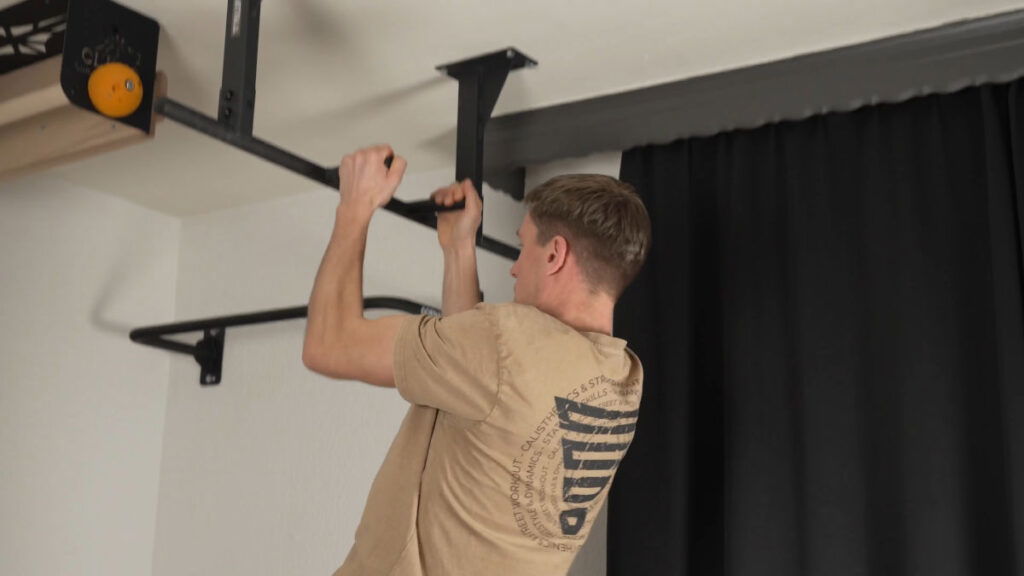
(425,206)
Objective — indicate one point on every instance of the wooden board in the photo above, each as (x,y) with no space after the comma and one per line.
(40,129)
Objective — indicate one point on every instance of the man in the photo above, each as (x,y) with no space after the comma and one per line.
(520,412)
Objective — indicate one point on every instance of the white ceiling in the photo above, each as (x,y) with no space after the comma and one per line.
(337,75)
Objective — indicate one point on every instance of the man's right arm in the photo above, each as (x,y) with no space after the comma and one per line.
(456,233)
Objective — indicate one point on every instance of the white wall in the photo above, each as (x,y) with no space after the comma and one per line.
(268,472)
(81,407)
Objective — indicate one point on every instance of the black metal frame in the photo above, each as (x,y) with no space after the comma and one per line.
(209,350)
(480,82)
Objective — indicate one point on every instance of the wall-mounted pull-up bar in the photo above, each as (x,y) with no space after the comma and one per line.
(480,82)
(209,351)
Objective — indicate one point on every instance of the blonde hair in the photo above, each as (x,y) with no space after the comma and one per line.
(603,219)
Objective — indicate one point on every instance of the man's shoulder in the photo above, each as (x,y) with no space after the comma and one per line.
(519,313)
(526,321)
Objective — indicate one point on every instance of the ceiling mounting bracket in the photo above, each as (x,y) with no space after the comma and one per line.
(238,78)
(480,82)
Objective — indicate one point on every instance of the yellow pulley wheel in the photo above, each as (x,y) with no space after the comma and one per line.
(115,90)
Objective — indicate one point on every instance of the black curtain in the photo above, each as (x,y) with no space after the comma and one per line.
(831,323)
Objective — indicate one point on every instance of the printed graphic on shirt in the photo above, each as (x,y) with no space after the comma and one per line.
(569,460)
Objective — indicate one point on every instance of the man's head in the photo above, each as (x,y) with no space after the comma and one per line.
(596,223)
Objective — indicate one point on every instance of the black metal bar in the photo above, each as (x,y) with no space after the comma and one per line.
(164,343)
(208,351)
(142,334)
(238,81)
(469,161)
(496,247)
(277,315)
(429,207)
(198,121)
(421,211)
(469,149)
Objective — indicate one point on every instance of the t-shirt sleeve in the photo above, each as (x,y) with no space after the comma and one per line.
(449,363)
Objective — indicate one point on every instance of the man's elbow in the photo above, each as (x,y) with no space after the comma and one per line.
(323,360)
(311,358)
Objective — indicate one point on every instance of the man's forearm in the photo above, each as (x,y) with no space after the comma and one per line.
(461,289)
(340,343)
(336,302)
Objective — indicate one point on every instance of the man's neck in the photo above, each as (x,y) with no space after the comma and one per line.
(590,313)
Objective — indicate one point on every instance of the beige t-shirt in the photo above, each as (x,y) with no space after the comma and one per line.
(517,426)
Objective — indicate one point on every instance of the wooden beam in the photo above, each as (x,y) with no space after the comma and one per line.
(40,129)
(31,90)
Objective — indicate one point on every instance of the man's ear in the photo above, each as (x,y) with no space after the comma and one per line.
(557,255)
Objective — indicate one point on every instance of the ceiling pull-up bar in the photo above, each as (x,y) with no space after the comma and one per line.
(209,351)
(480,82)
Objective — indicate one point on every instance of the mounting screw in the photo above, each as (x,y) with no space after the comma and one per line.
(210,378)
(510,54)
(229,95)
(129,85)
(227,112)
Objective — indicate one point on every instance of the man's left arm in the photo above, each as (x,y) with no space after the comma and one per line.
(340,342)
